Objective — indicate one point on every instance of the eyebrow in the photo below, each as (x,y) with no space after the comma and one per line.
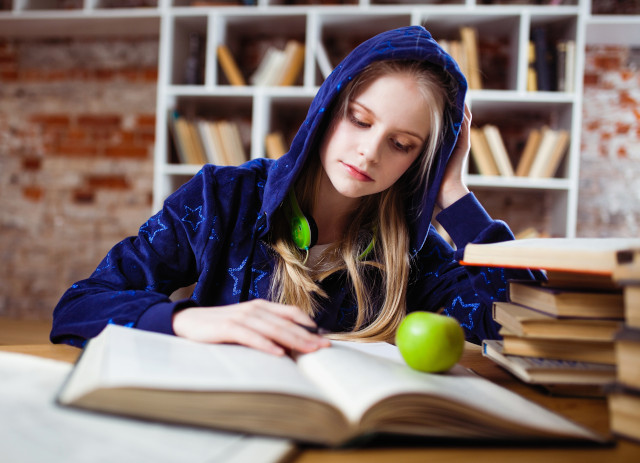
(407,132)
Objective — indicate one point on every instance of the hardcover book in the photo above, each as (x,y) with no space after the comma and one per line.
(332,396)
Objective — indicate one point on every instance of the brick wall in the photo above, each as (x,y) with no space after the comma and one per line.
(77,122)
(609,199)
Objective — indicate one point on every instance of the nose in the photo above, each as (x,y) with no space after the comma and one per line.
(370,146)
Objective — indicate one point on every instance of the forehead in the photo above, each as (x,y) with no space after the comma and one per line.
(397,100)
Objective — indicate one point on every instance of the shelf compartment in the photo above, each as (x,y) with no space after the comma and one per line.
(497,43)
(515,120)
(188,60)
(544,211)
(238,110)
(249,36)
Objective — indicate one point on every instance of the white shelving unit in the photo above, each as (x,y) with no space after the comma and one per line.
(270,108)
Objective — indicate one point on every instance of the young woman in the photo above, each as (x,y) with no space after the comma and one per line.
(337,233)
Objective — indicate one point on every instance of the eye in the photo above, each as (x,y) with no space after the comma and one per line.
(357,121)
(401,146)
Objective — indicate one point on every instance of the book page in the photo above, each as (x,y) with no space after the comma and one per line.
(356,380)
(139,358)
(35,429)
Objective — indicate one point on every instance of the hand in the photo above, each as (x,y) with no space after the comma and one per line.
(453,187)
(263,325)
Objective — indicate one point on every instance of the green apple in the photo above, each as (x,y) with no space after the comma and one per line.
(430,342)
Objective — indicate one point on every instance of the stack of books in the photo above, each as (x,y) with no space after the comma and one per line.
(624,396)
(560,333)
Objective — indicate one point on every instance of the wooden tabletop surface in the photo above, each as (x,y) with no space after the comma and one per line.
(31,337)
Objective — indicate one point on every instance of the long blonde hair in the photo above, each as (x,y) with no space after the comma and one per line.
(386,270)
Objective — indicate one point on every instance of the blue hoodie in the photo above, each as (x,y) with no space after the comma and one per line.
(213,232)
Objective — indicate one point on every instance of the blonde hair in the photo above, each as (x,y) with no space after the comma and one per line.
(383,214)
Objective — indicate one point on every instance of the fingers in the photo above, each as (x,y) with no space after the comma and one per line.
(267,326)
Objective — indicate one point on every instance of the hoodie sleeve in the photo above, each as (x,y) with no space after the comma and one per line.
(132,284)
(465,293)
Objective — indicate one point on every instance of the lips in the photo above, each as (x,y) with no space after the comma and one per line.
(357,173)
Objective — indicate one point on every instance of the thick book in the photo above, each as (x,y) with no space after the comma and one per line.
(632,305)
(332,396)
(628,357)
(624,412)
(568,302)
(543,371)
(527,322)
(578,255)
(560,349)
(627,270)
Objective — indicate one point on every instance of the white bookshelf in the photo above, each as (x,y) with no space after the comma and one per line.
(263,107)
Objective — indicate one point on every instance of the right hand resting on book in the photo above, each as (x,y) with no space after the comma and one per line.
(263,325)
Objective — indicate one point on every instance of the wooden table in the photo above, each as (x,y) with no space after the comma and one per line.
(587,411)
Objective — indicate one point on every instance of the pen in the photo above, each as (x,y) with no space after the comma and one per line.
(314,329)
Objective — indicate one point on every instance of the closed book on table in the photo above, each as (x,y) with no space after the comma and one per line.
(561,349)
(567,302)
(579,255)
(543,371)
(527,322)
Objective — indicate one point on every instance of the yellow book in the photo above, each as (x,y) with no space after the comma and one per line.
(229,66)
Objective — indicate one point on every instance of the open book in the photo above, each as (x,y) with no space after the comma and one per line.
(329,397)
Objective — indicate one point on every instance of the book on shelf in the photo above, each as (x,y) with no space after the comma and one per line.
(565,57)
(481,153)
(527,322)
(551,150)
(231,141)
(498,150)
(186,139)
(212,143)
(547,372)
(200,141)
(529,153)
(543,59)
(194,68)
(561,302)
(469,39)
(294,53)
(230,66)
(274,144)
(279,67)
(331,397)
(575,255)
(532,76)
(594,351)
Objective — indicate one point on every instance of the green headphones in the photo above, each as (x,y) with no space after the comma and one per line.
(304,231)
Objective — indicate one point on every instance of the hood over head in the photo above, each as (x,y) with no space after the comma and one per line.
(410,43)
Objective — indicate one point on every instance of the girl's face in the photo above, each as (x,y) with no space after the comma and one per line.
(382,134)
